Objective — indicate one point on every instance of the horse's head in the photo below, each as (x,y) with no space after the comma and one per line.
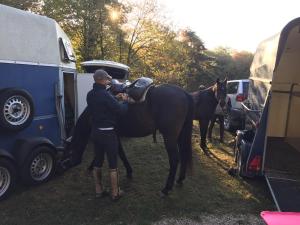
(220,90)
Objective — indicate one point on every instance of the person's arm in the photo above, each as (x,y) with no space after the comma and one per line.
(115,106)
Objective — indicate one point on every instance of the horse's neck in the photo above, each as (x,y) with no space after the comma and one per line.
(206,96)
(207,92)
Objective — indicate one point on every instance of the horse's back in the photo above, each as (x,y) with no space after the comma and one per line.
(204,104)
(170,105)
(169,92)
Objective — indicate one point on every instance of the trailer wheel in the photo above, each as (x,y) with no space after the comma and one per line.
(8,177)
(16,109)
(39,166)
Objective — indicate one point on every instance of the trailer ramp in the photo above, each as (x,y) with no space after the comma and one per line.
(285,190)
(282,173)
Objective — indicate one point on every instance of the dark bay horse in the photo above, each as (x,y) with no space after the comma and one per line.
(167,108)
(205,103)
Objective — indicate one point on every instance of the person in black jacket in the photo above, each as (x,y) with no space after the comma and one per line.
(105,110)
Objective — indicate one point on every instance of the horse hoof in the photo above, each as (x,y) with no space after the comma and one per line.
(129,176)
(179,183)
(206,152)
(205,149)
(163,194)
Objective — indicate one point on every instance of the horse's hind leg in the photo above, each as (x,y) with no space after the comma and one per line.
(183,164)
(172,149)
(154,136)
(124,159)
(203,124)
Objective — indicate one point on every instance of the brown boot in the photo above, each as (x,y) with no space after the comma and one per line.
(116,192)
(97,174)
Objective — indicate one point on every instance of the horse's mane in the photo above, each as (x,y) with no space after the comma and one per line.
(204,91)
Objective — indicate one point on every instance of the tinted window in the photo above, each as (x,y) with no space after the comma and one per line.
(116,73)
(232,87)
(245,88)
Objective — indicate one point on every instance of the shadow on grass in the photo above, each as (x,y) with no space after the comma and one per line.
(69,198)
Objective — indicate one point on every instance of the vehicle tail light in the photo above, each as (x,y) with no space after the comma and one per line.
(255,164)
(240,98)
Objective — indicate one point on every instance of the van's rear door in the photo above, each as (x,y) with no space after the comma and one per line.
(84,85)
(85,80)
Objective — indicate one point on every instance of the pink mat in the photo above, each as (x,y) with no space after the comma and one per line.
(281,218)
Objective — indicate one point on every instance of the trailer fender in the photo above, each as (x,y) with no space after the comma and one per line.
(24,146)
(6,154)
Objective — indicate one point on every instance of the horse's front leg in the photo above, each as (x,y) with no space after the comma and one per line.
(154,136)
(203,124)
(124,159)
(172,149)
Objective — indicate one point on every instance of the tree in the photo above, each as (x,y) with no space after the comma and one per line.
(138,28)
(87,22)
(231,63)
(137,34)
(30,5)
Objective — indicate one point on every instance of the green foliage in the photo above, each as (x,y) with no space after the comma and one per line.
(135,33)
(32,5)
(232,64)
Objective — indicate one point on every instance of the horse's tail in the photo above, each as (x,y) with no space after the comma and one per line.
(185,137)
(80,138)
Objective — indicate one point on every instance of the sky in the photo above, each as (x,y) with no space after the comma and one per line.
(238,24)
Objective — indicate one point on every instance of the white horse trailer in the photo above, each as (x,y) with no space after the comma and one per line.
(38,105)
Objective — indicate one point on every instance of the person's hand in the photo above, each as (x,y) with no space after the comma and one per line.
(122,96)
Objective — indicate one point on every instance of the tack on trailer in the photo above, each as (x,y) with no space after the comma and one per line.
(273,107)
(37,96)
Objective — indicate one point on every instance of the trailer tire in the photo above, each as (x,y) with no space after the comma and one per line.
(16,109)
(8,177)
(39,165)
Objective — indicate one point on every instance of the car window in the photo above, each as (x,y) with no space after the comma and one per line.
(245,88)
(232,87)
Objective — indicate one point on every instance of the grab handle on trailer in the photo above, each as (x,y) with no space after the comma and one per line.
(59,110)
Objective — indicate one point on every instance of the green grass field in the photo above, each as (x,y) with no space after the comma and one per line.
(209,195)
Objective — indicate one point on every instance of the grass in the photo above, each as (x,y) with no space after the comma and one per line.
(69,199)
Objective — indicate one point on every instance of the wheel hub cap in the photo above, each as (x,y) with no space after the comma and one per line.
(41,166)
(16,110)
(4,180)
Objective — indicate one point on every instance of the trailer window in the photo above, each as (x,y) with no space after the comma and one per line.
(66,50)
(116,73)
(232,87)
